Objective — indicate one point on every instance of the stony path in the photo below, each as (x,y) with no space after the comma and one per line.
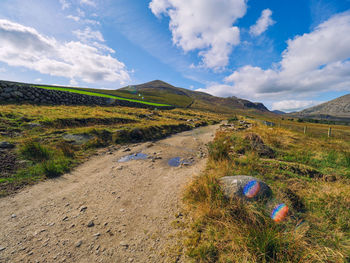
(104,211)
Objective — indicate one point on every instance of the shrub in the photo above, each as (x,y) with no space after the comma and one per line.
(55,168)
(219,149)
(232,119)
(34,151)
(67,149)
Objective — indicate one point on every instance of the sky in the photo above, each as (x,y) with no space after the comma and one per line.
(289,55)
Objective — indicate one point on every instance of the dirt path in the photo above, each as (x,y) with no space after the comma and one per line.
(104,211)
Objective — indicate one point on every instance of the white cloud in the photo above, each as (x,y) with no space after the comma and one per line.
(88,2)
(88,34)
(293,105)
(65,4)
(24,46)
(38,80)
(312,63)
(75,18)
(262,23)
(204,25)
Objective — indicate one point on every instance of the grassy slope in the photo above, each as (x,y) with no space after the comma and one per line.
(156,91)
(159,91)
(91,92)
(310,174)
(41,151)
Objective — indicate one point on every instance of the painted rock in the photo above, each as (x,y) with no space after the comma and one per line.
(246,187)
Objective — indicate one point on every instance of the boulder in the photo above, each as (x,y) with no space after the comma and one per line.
(77,139)
(238,185)
(6,145)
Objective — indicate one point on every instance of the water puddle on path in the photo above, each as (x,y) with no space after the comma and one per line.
(176,162)
(135,156)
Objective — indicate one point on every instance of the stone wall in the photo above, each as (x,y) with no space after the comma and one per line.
(22,93)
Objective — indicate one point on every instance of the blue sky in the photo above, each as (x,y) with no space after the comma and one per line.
(287,54)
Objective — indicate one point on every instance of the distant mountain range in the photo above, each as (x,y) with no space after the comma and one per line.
(337,109)
(278,112)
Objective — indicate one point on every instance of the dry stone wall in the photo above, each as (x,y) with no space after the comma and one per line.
(21,93)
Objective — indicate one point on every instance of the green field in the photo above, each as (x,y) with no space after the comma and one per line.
(89,93)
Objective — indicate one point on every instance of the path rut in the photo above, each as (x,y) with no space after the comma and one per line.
(104,211)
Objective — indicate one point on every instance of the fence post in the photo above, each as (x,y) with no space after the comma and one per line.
(329,132)
(305,128)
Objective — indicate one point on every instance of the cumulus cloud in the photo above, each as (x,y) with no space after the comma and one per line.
(263,23)
(88,2)
(312,63)
(293,105)
(24,46)
(204,25)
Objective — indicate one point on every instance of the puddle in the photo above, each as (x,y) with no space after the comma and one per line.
(176,162)
(135,156)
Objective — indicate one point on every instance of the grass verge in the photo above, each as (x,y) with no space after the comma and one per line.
(310,176)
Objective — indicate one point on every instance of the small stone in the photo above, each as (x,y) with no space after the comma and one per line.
(65,218)
(124,244)
(51,224)
(97,235)
(13,216)
(91,224)
(30,253)
(2,248)
(127,150)
(120,168)
(79,243)
(130,259)
(83,208)
(122,210)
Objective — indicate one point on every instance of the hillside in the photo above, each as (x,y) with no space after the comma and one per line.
(159,91)
(151,94)
(162,92)
(337,109)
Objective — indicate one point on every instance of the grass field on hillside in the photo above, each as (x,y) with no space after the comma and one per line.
(311,175)
(92,93)
(154,95)
(50,140)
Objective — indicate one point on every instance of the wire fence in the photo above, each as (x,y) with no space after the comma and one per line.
(314,130)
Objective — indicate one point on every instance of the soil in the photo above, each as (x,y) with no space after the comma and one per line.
(105,210)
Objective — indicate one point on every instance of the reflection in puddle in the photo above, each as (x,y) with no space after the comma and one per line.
(176,162)
(135,156)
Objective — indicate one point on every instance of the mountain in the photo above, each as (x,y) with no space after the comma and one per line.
(158,91)
(278,112)
(162,92)
(337,109)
